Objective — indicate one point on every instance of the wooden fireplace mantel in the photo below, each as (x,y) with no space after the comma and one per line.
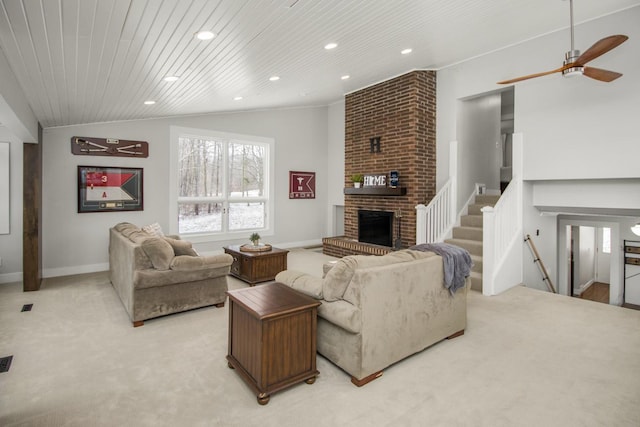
(376,191)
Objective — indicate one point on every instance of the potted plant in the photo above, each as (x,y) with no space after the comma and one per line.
(357,179)
(255,239)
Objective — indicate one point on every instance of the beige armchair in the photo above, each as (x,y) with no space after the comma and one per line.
(159,275)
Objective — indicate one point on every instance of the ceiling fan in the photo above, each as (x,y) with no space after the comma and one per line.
(574,63)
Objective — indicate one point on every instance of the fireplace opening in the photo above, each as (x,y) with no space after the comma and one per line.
(375,227)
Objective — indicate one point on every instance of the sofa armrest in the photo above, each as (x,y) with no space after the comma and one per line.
(303,282)
(186,262)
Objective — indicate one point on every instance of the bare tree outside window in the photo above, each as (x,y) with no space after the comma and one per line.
(221,185)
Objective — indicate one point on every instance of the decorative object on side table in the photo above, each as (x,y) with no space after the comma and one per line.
(255,239)
(357,179)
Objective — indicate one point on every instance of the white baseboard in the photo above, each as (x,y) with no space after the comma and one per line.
(11,277)
(93,268)
(78,269)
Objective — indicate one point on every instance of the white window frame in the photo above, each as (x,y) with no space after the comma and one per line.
(174,173)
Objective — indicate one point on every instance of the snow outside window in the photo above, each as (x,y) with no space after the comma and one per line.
(223,184)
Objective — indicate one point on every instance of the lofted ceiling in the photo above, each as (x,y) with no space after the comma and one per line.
(87,61)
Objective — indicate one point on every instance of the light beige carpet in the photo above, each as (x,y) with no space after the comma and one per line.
(528,358)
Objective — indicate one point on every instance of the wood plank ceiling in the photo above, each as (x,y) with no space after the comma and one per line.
(87,61)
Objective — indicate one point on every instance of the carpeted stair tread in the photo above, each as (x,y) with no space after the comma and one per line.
(471,221)
(473,246)
(487,199)
(477,263)
(467,233)
(476,281)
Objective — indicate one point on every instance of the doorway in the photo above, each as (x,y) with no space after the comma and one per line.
(588,268)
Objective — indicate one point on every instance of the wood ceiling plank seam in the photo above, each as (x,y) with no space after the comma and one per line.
(86,12)
(223,51)
(174,58)
(294,67)
(35,69)
(109,51)
(146,18)
(14,57)
(100,52)
(50,44)
(225,33)
(153,36)
(291,65)
(152,88)
(118,72)
(222,43)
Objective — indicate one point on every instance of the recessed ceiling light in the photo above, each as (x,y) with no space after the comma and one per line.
(149,102)
(345,77)
(274,78)
(406,51)
(171,78)
(205,35)
(331,46)
(237,98)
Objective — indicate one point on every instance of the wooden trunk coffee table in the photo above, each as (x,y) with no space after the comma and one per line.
(255,267)
(272,337)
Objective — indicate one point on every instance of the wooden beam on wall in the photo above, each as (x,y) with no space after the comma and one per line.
(32,215)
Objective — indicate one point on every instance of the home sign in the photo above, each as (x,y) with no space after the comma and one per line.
(375,181)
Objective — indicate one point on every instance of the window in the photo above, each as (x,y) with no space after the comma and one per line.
(223,183)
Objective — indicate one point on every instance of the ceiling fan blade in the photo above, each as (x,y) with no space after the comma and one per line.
(600,48)
(600,74)
(531,76)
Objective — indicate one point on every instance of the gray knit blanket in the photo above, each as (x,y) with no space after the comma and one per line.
(457,263)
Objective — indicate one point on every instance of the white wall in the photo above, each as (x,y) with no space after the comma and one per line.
(15,113)
(479,150)
(573,128)
(75,243)
(11,244)
(587,257)
(335,169)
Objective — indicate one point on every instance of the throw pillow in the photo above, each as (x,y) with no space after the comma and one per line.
(159,252)
(181,247)
(338,278)
(153,229)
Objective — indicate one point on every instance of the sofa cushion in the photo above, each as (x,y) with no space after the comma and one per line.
(181,247)
(159,252)
(338,278)
(343,314)
(153,229)
(308,285)
(188,262)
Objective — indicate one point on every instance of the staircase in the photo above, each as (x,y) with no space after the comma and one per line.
(469,236)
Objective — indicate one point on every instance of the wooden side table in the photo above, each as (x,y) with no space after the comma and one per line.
(255,267)
(272,337)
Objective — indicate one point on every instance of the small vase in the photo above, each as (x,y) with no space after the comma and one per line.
(356,185)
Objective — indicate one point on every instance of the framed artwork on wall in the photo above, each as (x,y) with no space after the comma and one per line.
(109,189)
(302,185)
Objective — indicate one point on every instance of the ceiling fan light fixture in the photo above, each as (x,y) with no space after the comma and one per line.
(573,71)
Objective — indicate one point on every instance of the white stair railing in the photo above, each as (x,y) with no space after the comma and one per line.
(502,231)
(435,220)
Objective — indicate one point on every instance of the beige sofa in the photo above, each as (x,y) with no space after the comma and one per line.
(157,275)
(377,310)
